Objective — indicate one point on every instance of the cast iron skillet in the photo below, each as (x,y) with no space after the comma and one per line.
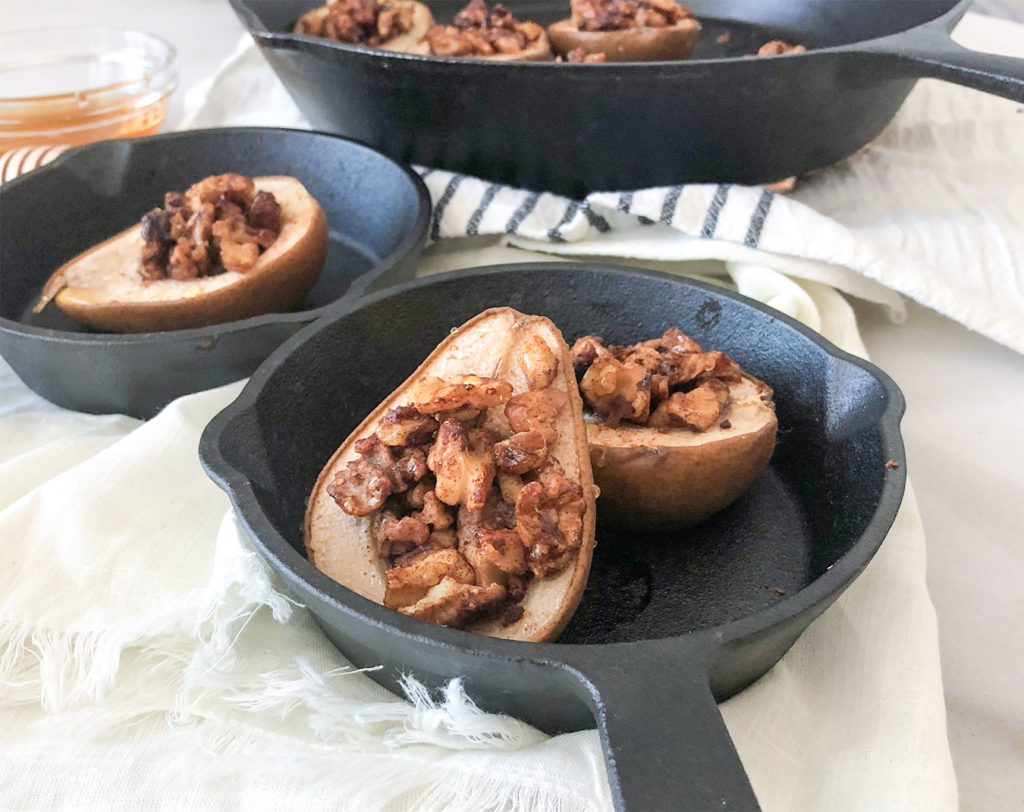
(573,129)
(668,624)
(378,213)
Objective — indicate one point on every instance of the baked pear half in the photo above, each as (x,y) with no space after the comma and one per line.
(229,248)
(676,434)
(627,31)
(392,25)
(466,497)
(494,34)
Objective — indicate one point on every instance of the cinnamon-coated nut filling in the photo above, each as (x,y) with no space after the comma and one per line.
(618,15)
(220,224)
(668,382)
(360,22)
(467,515)
(476,31)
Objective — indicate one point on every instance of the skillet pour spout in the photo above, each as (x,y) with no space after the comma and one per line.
(668,624)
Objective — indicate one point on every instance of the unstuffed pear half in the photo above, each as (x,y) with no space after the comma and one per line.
(627,31)
(466,498)
(228,248)
(676,434)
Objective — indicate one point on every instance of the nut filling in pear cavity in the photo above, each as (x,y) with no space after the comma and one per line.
(675,433)
(220,224)
(489,34)
(626,31)
(472,493)
(228,248)
(394,25)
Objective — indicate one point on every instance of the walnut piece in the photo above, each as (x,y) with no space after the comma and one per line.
(777,47)
(420,571)
(462,464)
(618,391)
(521,452)
(455,604)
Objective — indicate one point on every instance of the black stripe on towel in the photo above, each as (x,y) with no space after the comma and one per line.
(757,219)
(625,201)
(595,219)
(714,209)
(570,212)
(668,208)
(442,204)
(522,213)
(474,221)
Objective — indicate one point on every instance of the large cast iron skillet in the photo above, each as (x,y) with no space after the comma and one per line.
(668,624)
(377,211)
(576,128)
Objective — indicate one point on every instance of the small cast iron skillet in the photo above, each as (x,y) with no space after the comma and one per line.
(377,211)
(668,624)
(573,129)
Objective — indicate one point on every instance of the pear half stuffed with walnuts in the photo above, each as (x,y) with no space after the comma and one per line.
(228,248)
(466,497)
(676,434)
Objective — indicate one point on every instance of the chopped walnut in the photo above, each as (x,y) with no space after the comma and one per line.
(618,391)
(616,15)
(363,485)
(536,411)
(494,555)
(219,224)
(539,363)
(433,395)
(363,22)
(406,426)
(434,512)
(479,32)
(418,572)
(777,47)
(536,523)
(684,387)
(586,350)
(400,536)
(521,452)
(456,604)
(462,463)
(579,55)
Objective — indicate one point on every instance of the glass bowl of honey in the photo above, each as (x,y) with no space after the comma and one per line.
(68,86)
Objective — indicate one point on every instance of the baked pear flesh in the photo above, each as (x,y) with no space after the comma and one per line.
(627,31)
(676,434)
(108,288)
(466,498)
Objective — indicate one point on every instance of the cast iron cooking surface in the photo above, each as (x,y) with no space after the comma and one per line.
(666,620)
(576,128)
(377,213)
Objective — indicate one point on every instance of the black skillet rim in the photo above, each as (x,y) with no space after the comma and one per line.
(297,42)
(412,240)
(291,564)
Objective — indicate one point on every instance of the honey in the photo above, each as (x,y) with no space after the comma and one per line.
(69,87)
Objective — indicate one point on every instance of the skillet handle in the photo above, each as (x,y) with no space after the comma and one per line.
(929,51)
(664,740)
